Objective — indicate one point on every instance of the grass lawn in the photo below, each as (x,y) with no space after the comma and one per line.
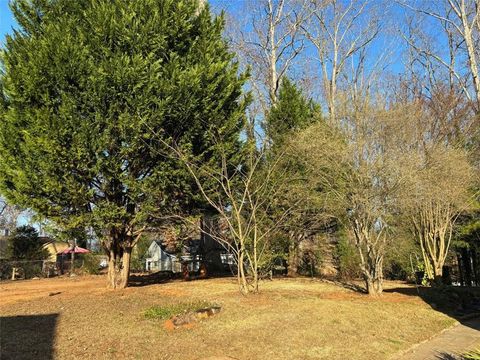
(77,318)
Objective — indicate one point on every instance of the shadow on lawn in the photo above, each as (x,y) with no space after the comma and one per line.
(160,277)
(460,303)
(27,336)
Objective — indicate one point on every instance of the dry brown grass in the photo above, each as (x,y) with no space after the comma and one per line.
(289,319)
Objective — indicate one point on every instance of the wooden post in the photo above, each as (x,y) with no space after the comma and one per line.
(72,265)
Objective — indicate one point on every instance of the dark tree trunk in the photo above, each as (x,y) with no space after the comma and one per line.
(467,266)
(292,269)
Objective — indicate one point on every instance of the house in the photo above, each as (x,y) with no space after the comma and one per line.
(158,259)
(53,247)
(195,254)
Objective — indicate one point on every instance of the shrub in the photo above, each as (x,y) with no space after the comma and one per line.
(347,259)
(91,264)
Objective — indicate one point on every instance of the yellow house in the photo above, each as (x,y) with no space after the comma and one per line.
(54,247)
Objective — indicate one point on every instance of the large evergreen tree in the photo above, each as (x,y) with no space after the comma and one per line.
(25,244)
(89,87)
(293,111)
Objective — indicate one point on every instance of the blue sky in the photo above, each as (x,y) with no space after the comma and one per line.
(6,20)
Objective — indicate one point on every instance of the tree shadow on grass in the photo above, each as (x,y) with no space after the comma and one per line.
(349,286)
(445,356)
(160,277)
(460,303)
(27,336)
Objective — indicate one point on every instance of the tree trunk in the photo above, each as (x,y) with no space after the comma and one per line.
(467,265)
(255,266)
(72,260)
(292,269)
(242,280)
(119,267)
(437,275)
(125,269)
(255,281)
(474,254)
(374,286)
(272,59)
(472,59)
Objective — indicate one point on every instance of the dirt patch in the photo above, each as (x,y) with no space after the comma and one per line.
(191,317)
(169,325)
(26,290)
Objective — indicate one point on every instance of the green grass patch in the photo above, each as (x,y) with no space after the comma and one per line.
(167,311)
(472,355)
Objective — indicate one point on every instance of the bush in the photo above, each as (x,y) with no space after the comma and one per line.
(347,259)
(32,269)
(24,269)
(91,264)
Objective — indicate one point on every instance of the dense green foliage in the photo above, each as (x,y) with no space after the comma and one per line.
(347,258)
(91,264)
(25,244)
(92,91)
(139,254)
(293,111)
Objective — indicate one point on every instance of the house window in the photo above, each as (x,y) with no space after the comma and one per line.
(227,259)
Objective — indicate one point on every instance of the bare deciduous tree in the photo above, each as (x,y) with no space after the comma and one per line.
(459,22)
(437,182)
(243,192)
(270,41)
(9,215)
(339,30)
(357,172)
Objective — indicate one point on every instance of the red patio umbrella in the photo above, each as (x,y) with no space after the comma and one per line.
(75,250)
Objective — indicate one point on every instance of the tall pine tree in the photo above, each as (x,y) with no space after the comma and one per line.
(88,87)
(293,111)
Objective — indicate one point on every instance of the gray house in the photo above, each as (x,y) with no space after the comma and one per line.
(199,251)
(158,259)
